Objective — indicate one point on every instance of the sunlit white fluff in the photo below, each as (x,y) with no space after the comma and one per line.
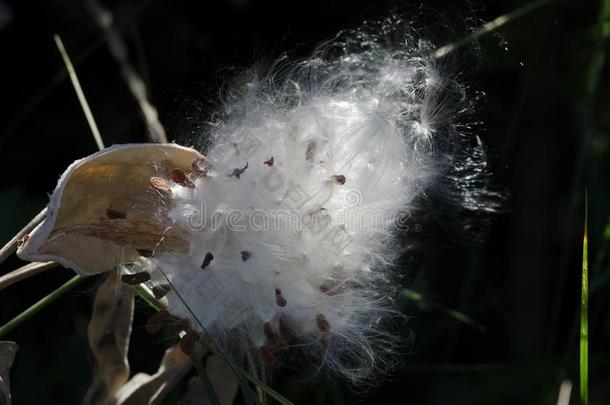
(375,111)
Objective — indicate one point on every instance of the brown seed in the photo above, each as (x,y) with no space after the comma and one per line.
(135,278)
(245,255)
(268,357)
(207,260)
(282,343)
(111,213)
(238,172)
(311,150)
(160,184)
(199,167)
(181,324)
(279,299)
(156,321)
(324,343)
(269,162)
(187,343)
(145,252)
(284,328)
(179,177)
(316,211)
(161,290)
(338,179)
(334,290)
(271,336)
(23,240)
(322,323)
(276,339)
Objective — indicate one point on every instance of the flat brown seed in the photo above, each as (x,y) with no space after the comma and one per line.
(156,321)
(179,177)
(311,150)
(181,324)
(268,357)
(284,328)
(135,278)
(322,323)
(161,290)
(245,255)
(338,179)
(271,336)
(160,184)
(199,167)
(187,343)
(145,253)
(282,343)
(334,290)
(207,260)
(269,162)
(22,240)
(237,172)
(111,213)
(281,301)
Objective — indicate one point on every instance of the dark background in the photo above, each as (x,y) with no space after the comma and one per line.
(547,136)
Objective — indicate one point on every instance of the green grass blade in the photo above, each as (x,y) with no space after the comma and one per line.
(39,306)
(73,282)
(488,28)
(593,76)
(242,375)
(457,315)
(79,92)
(584,317)
(204,378)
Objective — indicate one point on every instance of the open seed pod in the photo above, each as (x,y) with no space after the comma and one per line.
(110,207)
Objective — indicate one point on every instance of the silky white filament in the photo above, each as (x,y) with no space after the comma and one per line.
(310,173)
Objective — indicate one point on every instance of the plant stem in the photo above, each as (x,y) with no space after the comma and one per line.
(11,246)
(460,316)
(584,317)
(488,28)
(24,272)
(39,306)
(79,92)
(204,378)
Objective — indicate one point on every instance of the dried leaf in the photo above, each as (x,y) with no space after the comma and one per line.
(109,333)
(82,230)
(7,356)
(222,378)
(144,389)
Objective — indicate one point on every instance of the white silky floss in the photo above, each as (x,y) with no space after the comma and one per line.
(297,154)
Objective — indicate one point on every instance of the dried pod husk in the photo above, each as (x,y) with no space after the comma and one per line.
(7,356)
(82,230)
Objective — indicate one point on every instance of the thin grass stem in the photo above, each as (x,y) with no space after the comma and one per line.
(79,93)
(455,314)
(488,28)
(24,272)
(12,245)
(204,378)
(584,316)
(39,306)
